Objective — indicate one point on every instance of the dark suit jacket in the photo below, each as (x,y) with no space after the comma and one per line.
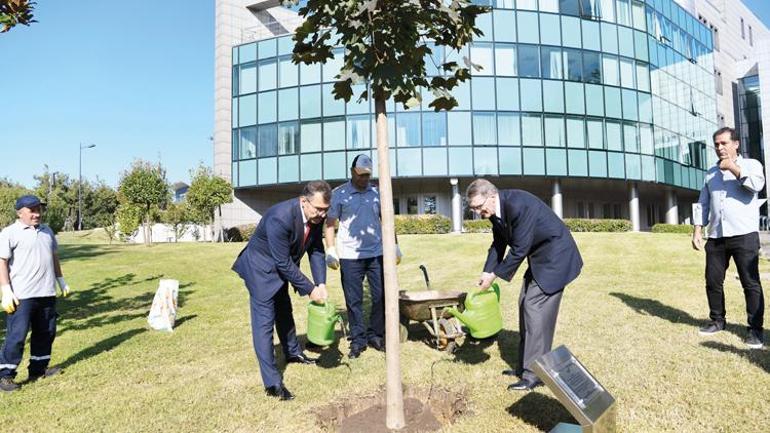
(271,258)
(531,230)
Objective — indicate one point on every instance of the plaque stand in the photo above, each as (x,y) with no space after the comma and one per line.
(582,395)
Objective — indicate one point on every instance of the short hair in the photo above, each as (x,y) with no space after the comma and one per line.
(733,133)
(316,186)
(481,187)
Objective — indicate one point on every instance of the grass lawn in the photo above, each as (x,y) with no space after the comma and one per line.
(631,318)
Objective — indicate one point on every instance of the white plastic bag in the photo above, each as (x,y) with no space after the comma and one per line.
(163,311)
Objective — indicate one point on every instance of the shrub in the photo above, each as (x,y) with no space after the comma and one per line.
(422,224)
(597,225)
(241,233)
(477,226)
(672,228)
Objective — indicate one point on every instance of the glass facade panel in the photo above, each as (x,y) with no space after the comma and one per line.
(576,132)
(592,68)
(461,161)
(311,167)
(434,129)
(594,100)
(597,163)
(505,25)
(645,108)
(409,162)
(612,102)
(630,105)
(434,162)
(529,30)
(614,136)
(459,128)
(288,168)
(310,101)
(266,103)
(555,136)
(248,142)
(267,48)
(608,10)
(247,110)
(609,38)
(531,130)
(531,95)
(574,97)
(508,94)
(267,74)
(334,134)
(332,67)
(627,73)
(247,53)
(573,65)
(288,101)
(642,77)
(529,61)
(645,139)
(510,160)
(556,162)
(408,130)
(484,129)
(578,163)
(268,141)
(570,32)
(535,159)
(630,139)
(610,70)
(485,161)
(331,106)
(505,59)
(625,42)
(248,78)
(591,36)
(615,165)
(309,74)
(595,130)
(553,96)
(483,93)
(288,138)
(508,129)
(288,72)
(310,136)
(247,173)
(552,62)
(335,166)
(550,29)
(482,55)
(359,132)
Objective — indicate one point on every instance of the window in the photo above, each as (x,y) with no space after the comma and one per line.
(570,28)
(743,30)
(507,94)
(550,29)
(532,130)
(358,132)
(248,78)
(268,142)
(549,6)
(459,128)
(288,138)
(505,25)
(555,136)
(595,129)
(288,104)
(552,63)
(614,136)
(573,65)
(627,73)
(267,107)
(267,74)
(434,129)
(508,129)
(481,55)
(248,147)
(751,36)
(288,72)
(592,70)
(624,12)
(310,101)
(610,69)
(553,96)
(483,93)
(331,106)
(529,30)
(608,10)
(529,61)
(408,129)
(411,205)
(531,95)
(334,134)
(484,129)
(310,136)
(570,7)
(429,204)
(505,59)
(576,136)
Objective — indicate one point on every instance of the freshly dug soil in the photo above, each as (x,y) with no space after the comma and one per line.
(418,417)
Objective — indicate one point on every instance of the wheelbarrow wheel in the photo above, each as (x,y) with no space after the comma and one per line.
(403,330)
(451,347)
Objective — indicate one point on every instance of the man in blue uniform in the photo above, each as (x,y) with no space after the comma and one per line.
(270,262)
(29,271)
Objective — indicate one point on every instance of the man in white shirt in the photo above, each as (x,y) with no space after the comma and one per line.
(728,203)
(29,271)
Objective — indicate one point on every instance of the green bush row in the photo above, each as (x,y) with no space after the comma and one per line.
(477,226)
(672,228)
(422,224)
(597,225)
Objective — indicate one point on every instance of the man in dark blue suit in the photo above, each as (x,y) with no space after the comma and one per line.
(524,223)
(269,262)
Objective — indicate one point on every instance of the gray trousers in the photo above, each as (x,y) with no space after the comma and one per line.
(537,322)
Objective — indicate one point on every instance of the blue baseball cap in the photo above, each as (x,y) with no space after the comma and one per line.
(28,201)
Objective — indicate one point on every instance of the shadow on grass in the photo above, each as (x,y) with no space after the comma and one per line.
(760,358)
(652,307)
(83,251)
(541,411)
(102,346)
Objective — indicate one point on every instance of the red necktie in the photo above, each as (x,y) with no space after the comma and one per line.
(307,233)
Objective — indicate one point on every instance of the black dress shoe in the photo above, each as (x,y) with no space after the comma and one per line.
(511,373)
(377,344)
(355,351)
(53,371)
(279,391)
(524,385)
(301,359)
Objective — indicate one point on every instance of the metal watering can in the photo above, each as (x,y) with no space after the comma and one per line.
(482,314)
(321,319)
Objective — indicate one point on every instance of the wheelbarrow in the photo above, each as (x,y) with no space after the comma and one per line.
(427,307)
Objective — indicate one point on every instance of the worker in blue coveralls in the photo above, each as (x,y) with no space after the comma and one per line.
(29,271)
(358,253)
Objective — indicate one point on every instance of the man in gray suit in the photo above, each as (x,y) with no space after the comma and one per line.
(523,223)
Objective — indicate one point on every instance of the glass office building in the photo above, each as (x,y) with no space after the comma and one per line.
(586,98)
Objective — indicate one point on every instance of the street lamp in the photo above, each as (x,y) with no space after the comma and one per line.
(80,181)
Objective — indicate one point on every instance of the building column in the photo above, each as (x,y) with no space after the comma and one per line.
(633,207)
(672,210)
(556,199)
(457,206)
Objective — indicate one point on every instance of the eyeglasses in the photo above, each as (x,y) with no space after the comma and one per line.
(478,207)
(319,209)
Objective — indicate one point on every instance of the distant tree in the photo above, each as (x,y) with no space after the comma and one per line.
(128,218)
(13,12)
(207,193)
(144,186)
(387,43)
(177,215)
(9,192)
(99,205)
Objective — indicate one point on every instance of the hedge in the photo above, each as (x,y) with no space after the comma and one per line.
(422,224)
(597,225)
(672,228)
(477,226)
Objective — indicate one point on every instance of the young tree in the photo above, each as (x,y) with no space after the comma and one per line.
(144,186)
(207,193)
(386,44)
(13,12)
(128,218)
(177,215)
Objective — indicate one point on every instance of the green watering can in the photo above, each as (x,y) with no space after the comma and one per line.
(482,314)
(321,319)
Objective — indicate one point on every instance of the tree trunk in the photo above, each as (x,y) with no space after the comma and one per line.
(147,229)
(395,397)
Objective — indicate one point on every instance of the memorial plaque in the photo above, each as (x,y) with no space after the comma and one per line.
(580,393)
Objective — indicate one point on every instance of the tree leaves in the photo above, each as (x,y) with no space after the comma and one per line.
(13,12)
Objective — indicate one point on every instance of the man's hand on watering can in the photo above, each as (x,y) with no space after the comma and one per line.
(486,280)
(319,294)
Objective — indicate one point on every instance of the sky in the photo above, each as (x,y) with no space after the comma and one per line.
(135,78)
